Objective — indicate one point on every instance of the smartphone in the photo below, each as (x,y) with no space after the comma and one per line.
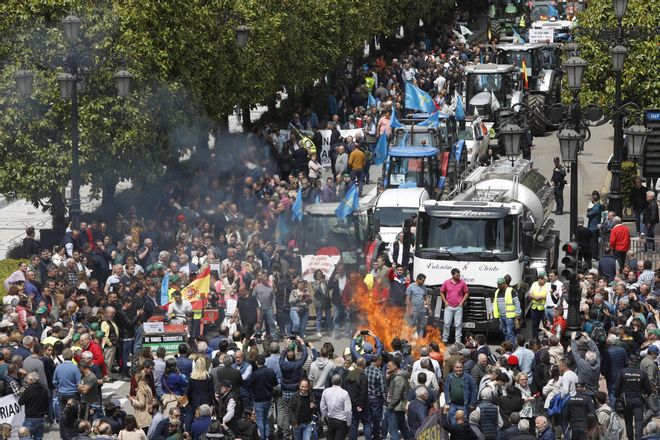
(364,332)
(257,335)
(293,338)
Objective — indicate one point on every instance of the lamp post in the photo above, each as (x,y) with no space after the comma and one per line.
(70,81)
(512,134)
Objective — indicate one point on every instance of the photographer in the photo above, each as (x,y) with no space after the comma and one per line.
(299,299)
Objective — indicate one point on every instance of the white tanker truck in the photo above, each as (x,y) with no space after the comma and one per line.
(496,223)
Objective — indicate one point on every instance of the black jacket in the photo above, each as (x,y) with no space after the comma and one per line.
(299,408)
(356,384)
(463,431)
(230,374)
(577,410)
(35,399)
(261,382)
(650,213)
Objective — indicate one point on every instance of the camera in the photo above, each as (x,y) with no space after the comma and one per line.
(364,332)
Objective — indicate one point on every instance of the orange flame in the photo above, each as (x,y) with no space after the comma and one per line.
(387,321)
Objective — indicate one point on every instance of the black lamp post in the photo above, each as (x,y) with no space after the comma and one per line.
(69,82)
(512,134)
(242,34)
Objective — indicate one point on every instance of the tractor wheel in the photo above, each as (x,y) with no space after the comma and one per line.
(494,29)
(536,122)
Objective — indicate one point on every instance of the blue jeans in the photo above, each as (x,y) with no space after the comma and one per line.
(396,422)
(299,318)
(455,315)
(506,325)
(137,345)
(261,409)
(323,314)
(376,414)
(419,321)
(303,431)
(452,412)
(362,416)
(36,427)
(269,318)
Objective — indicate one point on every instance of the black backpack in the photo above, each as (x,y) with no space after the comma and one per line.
(599,336)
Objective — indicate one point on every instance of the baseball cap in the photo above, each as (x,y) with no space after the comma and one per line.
(76,336)
(654,349)
(501,281)
(542,275)
(464,352)
(513,360)
(41,310)
(226,383)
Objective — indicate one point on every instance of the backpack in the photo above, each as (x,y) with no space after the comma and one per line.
(557,404)
(614,430)
(599,336)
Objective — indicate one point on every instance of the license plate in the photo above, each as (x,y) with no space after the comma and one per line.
(469,325)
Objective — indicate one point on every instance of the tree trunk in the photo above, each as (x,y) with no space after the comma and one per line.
(272,106)
(247,122)
(58,211)
(108,197)
(223,125)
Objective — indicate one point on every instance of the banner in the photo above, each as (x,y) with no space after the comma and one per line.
(431,429)
(325,148)
(310,263)
(541,35)
(12,413)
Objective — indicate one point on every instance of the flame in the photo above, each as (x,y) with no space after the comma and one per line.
(387,321)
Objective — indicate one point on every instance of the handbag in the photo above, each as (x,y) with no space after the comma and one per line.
(181,400)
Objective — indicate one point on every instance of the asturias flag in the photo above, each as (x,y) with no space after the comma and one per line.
(394,122)
(418,99)
(431,121)
(164,288)
(380,152)
(297,208)
(459,112)
(371,100)
(349,203)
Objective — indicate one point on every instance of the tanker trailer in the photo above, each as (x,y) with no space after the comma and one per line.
(497,223)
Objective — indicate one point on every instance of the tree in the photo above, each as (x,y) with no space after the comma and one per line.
(640,75)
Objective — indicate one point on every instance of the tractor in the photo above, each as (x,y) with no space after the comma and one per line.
(489,87)
(505,16)
(540,72)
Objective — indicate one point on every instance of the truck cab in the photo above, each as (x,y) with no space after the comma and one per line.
(393,207)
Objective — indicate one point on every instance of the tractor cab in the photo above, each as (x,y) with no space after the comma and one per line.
(411,167)
(488,87)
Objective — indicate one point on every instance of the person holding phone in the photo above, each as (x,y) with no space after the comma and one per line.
(553,297)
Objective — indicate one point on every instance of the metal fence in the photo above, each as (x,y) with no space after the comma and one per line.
(646,249)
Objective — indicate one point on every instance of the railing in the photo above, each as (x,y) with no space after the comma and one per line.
(646,249)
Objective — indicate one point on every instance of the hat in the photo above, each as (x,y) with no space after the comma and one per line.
(593,271)
(94,326)
(99,334)
(76,336)
(41,310)
(464,352)
(367,347)
(58,324)
(612,284)
(542,275)
(226,383)
(513,360)
(653,349)
(174,279)
(501,281)
(158,266)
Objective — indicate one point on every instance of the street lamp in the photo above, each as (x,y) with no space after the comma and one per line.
(570,143)
(575,67)
(242,34)
(619,7)
(636,135)
(70,82)
(512,133)
(619,54)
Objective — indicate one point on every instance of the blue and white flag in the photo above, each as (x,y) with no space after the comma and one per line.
(371,100)
(517,39)
(394,122)
(459,112)
(380,152)
(349,203)
(297,208)
(164,289)
(418,99)
(431,121)
(282,229)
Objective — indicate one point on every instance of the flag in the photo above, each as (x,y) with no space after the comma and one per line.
(380,152)
(552,11)
(164,288)
(459,113)
(441,182)
(465,31)
(317,200)
(524,72)
(371,100)
(431,121)
(476,111)
(418,99)
(460,36)
(394,122)
(199,289)
(297,208)
(281,230)
(349,203)
(494,103)
(517,39)
(458,149)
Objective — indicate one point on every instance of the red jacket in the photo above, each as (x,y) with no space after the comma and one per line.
(97,351)
(620,238)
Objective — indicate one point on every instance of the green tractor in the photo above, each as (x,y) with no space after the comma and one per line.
(540,74)
(505,16)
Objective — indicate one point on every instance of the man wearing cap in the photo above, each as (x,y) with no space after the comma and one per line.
(229,408)
(506,308)
(538,294)
(577,410)
(632,385)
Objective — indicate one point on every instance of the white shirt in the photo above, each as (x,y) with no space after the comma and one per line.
(567,383)
(440,83)
(178,312)
(336,404)
(417,366)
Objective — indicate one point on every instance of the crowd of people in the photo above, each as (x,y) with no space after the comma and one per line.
(72,317)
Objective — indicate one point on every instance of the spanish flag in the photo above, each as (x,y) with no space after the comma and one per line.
(199,289)
(524,72)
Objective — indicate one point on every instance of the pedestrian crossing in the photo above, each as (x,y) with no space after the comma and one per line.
(118,389)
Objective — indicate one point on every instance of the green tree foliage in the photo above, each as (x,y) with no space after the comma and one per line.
(641,76)
(188,76)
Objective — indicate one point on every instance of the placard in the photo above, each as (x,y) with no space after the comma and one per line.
(170,342)
(153,327)
(12,413)
(310,263)
(541,35)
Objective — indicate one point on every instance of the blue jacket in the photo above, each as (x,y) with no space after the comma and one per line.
(66,378)
(292,370)
(548,434)
(469,389)
(615,359)
(367,356)
(593,215)
(199,426)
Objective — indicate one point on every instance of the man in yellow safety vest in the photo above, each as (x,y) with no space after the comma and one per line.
(537,294)
(505,299)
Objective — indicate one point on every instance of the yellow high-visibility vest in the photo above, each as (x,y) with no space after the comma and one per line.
(308,144)
(538,295)
(508,303)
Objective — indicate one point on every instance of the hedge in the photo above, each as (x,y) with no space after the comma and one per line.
(7,267)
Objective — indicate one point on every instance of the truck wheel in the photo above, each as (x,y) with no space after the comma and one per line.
(536,122)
